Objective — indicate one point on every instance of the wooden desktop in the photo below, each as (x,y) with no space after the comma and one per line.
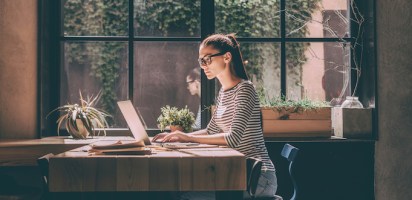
(202,169)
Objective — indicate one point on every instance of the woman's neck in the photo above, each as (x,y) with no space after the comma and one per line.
(229,82)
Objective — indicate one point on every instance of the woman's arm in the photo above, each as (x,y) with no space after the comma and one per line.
(199,132)
(218,139)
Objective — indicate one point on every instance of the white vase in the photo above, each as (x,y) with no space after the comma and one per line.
(81,133)
(352,102)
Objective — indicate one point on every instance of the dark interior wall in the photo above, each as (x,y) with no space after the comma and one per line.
(393,165)
(18,68)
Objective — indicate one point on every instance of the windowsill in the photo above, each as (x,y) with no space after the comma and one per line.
(331,139)
(24,152)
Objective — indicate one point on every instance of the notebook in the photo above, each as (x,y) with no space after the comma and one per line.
(136,124)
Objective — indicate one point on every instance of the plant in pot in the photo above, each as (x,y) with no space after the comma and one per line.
(175,119)
(82,119)
(295,118)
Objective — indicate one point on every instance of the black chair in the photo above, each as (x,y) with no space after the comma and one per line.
(290,152)
(43,163)
(254,169)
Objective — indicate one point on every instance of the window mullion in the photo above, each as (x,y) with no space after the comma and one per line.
(283,48)
(207,27)
(131,49)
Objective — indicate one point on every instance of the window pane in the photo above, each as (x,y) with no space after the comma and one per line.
(91,67)
(263,67)
(248,18)
(317,18)
(322,73)
(160,77)
(95,18)
(177,18)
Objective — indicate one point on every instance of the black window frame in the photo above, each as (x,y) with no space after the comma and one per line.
(50,55)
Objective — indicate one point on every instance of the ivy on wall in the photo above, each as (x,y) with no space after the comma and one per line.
(251,18)
(97,18)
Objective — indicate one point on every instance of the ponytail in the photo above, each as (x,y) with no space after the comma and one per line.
(237,58)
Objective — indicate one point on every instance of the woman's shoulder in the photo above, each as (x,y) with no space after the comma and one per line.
(246,84)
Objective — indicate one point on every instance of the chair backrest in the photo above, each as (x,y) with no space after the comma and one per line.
(290,152)
(253,169)
(43,163)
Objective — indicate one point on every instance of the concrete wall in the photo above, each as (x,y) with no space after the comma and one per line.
(18,68)
(393,163)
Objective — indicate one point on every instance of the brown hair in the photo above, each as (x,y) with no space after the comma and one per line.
(228,43)
(194,74)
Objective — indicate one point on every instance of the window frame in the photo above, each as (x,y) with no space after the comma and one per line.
(51,40)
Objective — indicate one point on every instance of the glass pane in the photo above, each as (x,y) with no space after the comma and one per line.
(317,18)
(318,71)
(172,18)
(95,18)
(91,67)
(160,77)
(262,63)
(248,18)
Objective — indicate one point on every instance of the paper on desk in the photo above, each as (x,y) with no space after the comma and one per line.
(123,151)
(117,144)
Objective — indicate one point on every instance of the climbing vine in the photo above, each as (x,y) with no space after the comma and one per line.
(247,18)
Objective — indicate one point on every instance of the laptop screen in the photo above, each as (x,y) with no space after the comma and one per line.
(134,121)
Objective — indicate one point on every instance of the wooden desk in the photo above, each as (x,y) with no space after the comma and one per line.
(209,169)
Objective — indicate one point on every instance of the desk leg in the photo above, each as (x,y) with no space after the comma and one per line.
(229,195)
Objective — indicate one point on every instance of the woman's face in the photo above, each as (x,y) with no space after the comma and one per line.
(212,63)
(193,86)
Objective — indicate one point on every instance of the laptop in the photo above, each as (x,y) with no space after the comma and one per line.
(134,121)
(136,124)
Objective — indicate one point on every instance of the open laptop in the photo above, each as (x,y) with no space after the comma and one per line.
(136,124)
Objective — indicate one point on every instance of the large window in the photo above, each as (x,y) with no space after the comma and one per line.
(143,50)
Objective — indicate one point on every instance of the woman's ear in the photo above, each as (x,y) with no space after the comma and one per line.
(227,57)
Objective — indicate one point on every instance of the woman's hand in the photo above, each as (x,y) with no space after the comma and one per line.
(159,136)
(176,136)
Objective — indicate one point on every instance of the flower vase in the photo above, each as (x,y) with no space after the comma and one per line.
(176,128)
(79,133)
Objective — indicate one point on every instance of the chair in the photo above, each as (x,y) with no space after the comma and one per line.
(43,163)
(290,152)
(254,169)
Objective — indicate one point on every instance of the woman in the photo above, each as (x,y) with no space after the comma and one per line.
(193,85)
(236,121)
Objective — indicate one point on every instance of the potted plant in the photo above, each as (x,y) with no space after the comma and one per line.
(82,119)
(295,118)
(175,119)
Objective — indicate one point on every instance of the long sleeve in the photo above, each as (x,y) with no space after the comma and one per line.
(244,104)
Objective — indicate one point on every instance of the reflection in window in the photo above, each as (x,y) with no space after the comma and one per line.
(160,71)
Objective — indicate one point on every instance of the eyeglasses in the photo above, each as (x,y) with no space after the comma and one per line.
(189,82)
(206,60)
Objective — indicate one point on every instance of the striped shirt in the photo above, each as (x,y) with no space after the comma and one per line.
(237,115)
